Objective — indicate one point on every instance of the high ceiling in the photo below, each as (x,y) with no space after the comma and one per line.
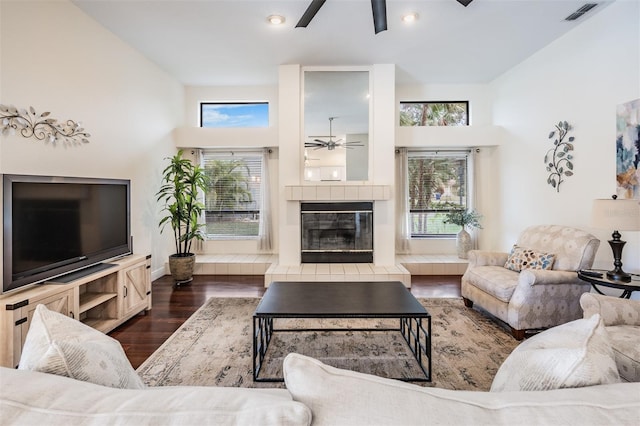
(229,42)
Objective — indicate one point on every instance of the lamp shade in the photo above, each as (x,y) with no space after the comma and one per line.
(619,215)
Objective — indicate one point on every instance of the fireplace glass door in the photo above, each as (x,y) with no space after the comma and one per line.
(337,232)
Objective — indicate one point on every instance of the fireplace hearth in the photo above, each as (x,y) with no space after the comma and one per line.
(337,232)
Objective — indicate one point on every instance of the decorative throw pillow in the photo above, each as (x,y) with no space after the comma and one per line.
(60,345)
(521,258)
(571,355)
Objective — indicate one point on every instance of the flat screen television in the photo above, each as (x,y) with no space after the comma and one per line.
(57,225)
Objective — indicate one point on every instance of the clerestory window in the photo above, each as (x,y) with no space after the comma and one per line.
(421,113)
(234,114)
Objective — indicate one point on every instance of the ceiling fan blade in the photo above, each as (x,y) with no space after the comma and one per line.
(379,8)
(311,11)
(465,3)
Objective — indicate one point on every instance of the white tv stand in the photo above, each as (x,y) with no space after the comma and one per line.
(103,299)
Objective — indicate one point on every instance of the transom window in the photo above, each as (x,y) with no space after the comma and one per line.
(437,184)
(234,114)
(418,113)
(233,198)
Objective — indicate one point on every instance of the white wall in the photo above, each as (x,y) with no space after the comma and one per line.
(55,58)
(580,78)
(191,135)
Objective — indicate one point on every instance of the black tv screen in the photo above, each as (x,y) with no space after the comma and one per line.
(56,225)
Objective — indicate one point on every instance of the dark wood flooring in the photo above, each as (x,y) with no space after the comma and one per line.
(171,306)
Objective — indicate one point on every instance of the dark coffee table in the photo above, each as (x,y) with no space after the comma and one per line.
(381,299)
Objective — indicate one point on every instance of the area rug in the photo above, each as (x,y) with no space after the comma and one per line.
(214,347)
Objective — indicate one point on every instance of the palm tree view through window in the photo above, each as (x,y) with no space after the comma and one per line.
(232,200)
(434,113)
(438,185)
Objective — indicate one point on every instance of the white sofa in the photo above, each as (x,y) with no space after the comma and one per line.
(316,394)
(621,318)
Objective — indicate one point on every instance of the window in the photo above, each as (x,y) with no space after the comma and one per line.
(434,113)
(234,114)
(233,199)
(437,184)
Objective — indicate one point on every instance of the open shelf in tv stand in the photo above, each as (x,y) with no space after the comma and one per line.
(103,300)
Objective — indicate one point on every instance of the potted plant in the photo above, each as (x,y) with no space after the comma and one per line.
(464,218)
(181,182)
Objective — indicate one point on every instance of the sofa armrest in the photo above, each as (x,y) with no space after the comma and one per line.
(613,310)
(487,258)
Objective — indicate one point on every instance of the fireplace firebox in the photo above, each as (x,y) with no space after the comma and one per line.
(337,232)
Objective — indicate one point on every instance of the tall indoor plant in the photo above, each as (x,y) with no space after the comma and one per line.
(181,183)
(464,218)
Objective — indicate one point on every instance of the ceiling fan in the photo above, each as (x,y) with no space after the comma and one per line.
(379,8)
(331,144)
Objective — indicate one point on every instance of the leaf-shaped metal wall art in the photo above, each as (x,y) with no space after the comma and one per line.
(29,123)
(559,160)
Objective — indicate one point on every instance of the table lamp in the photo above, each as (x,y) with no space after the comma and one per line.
(620,215)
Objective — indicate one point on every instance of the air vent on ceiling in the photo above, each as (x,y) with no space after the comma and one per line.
(578,13)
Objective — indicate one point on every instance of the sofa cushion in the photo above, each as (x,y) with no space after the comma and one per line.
(625,341)
(495,280)
(32,398)
(60,345)
(570,355)
(341,397)
(523,258)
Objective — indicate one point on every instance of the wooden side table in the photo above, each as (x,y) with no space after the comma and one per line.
(591,276)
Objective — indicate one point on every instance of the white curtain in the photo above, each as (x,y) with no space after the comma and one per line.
(265,232)
(471,187)
(198,245)
(403,232)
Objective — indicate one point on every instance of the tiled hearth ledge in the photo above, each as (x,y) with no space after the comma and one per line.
(267,265)
(337,192)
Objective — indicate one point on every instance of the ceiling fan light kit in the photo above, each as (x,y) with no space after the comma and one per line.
(331,144)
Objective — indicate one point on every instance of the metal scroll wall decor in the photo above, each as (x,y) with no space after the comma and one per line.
(558,159)
(41,126)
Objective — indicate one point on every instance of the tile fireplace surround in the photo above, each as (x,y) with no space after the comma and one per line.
(338,192)
(268,264)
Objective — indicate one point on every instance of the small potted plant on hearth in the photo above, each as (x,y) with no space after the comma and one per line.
(464,218)
(181,182)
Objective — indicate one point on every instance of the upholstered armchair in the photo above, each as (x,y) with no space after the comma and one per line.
(536,285)
(621,318)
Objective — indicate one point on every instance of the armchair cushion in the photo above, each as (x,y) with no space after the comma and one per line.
(494,280)
(522,258)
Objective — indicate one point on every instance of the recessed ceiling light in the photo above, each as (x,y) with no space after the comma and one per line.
(410,17)
(275,19)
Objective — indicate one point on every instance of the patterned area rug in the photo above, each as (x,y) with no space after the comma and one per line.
(214,347)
